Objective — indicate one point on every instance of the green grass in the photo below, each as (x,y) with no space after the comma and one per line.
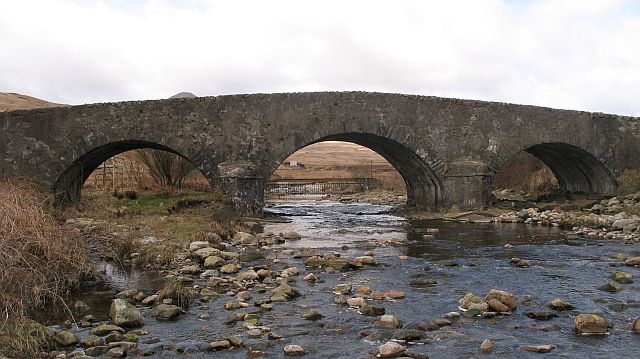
(162,203)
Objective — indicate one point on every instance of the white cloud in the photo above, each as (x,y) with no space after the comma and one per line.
(560,53)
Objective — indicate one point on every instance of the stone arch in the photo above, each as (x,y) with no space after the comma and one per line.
(68,186)
(576,169)
(424,188)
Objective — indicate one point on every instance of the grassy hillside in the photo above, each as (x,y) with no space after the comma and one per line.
(14,101)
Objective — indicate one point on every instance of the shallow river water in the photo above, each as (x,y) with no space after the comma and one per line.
(461,258)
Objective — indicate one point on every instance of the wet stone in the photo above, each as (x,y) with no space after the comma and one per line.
(105,329)
(541,315)
(65,338)
(590,324)
(622,277)
(611,287)
(559,304)
(538,348)
(486,346)
(372,310)
(220,345)
(391,349)
(312,314)
(387,321)
(293,350)
(408,335)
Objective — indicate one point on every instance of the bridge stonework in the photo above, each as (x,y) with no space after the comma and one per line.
(447,150)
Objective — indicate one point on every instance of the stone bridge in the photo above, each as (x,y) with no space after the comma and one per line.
(447,150)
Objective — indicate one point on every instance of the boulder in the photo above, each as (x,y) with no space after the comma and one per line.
(622,277)
(291,236)
(105,329)
(505,298)
(624,223)
(167,311)
(538,348)
(387,321)
(590,324)
(293,350)
(486,346)
(194,246)
(559,304)
(65,338)
(213,262)
(391,349)
(125,314)
(469,299)
(634,261)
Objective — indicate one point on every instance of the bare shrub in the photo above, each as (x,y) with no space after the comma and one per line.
(526,173)
(167,169)
(38,261)
(629,181)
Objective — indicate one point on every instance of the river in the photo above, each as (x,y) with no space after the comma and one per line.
(461,258)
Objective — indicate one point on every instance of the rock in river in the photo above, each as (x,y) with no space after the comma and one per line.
(387,321)
(498,306)
(505,298)
(391,349)
(167,311)
(105,329)
(538,348)
(469,299)
(559,304)
(635,261)
(636,325)
(372,310)
(622,277)
(125,314)
(312,314)
(590,324)
(293,350)
(65,338)
(486,346)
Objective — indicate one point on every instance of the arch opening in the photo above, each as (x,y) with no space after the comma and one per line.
(554,169)
(126,164)
(410,173)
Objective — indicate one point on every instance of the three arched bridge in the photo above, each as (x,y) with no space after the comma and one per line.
(447,150)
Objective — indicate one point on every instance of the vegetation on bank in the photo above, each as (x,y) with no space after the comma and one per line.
(629,181)
(39,263)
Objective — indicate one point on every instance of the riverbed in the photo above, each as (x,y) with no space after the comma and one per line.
(458,259)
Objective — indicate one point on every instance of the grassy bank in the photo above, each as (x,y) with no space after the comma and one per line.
(153,225)
(38,264)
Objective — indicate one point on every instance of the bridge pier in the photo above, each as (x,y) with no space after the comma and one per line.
(239,181)
(467,186)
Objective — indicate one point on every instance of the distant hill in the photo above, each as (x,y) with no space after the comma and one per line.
(15,101)
(184,95)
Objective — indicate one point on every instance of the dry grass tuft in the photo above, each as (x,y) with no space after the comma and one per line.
(629,181)
(38,262)
(179,294)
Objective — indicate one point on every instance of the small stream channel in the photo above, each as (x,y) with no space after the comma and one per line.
(461,258)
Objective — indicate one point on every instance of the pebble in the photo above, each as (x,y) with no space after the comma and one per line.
(538,348)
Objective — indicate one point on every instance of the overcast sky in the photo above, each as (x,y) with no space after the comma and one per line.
(581,54)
